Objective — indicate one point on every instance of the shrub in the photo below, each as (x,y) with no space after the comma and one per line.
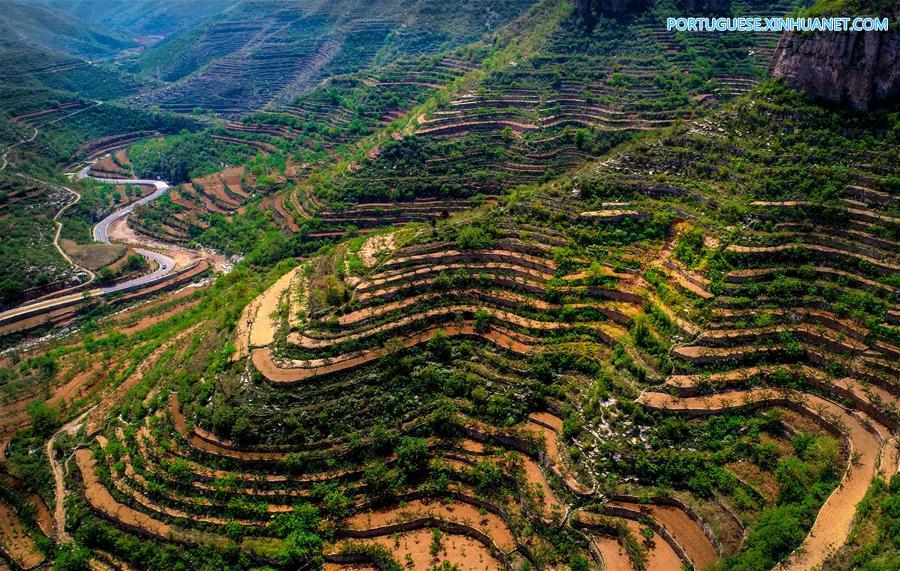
(482,321)
(689,247)
(70,557)
(488,478)
(302,544)
(44,418)
(412,455)
(473,238)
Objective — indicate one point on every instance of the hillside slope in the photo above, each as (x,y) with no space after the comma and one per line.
(142,17)
(576,296)
(27,24)
(258,53)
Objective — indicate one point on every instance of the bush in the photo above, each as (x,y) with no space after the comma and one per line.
(44,418)
(473,238)
(689,247)
(412,455)
(301,543)
(70,557)
(482,321)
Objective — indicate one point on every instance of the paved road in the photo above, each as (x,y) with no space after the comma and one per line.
(166,266)
(101,229)
(100,233)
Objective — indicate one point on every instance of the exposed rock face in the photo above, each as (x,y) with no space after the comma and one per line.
(589,10)
(861,69)
(705,7)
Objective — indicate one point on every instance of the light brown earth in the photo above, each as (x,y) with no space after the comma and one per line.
(615,558)
(660,555)
(262,330)
(101,500)
(459,512)
(465,552)
(536,479)
(684,530)
(120,232)
(14,541)
(832,526)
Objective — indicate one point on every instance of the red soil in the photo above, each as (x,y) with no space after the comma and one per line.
(660,555)
(615,558)
(463,551)
(458,512)
(682,528)
(15,542)
(537,481)
(299,370)
(101,500)
(865,440)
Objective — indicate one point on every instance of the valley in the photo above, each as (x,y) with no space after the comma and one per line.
(408,284)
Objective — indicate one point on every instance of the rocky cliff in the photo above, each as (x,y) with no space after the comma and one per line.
(590,10)
(861,69)
(704,7)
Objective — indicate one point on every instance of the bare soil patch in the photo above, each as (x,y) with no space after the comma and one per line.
(537,481)
(490,524)
(262,329)
(683,529)
(463,551)
(93,256)
(14,541)
(101,500)
(615,558)
(660,555)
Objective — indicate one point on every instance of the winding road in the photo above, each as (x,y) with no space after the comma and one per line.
(101,230)
(59,478)
(166,265)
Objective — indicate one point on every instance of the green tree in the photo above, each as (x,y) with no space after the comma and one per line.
(135,263)
(44,418)
(473,238)
(412,455)
(302,544)
(70,557)
(482,321)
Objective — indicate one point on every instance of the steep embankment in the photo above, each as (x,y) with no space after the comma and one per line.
(860,69)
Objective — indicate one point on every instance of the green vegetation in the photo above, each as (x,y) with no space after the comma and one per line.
(551,274)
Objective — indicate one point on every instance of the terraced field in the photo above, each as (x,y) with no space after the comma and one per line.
(565,297)
(265,53)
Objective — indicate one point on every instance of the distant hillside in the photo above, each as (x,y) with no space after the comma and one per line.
(263,51)
(38,68)
(142,17)
(45,27)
